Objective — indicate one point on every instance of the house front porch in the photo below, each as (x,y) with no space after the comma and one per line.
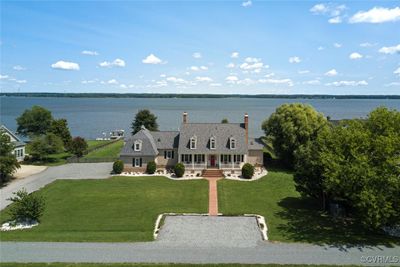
(212,161)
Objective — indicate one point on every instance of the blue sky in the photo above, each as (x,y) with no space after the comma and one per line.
(248,47)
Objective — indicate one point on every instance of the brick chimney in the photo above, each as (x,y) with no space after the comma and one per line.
(246,126)
(184,117)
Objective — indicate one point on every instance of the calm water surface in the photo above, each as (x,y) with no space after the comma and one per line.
(90,117)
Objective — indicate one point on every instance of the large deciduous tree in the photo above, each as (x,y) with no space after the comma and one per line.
(291,126)
(144,118)
(34,121)
(42,146)
(358,163)
(8,162)
(78,146)
(60,128)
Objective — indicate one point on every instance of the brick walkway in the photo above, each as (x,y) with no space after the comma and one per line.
(212,196)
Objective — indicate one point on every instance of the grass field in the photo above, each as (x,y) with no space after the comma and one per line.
(143,265)
(109,151)
(118,209)
(290,218)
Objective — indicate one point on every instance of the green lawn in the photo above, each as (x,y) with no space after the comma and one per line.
(96,143)
(144,265)
(119,209)
(109,151)
(290,218)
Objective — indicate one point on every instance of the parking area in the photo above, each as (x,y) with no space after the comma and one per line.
(210,231)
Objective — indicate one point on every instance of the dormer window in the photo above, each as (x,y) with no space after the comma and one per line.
(212,143)
(232,143)
(193,142)
(137,146)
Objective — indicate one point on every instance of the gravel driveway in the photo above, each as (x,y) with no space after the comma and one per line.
(210,231)
(67,171)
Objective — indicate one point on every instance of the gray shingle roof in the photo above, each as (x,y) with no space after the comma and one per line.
(255,144)
(221,131)
(149,147)
(166,139)
(18,142)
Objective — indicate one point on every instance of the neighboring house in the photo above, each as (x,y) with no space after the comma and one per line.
(198,146)
(19,145)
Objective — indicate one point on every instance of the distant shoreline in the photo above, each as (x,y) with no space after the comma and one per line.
(144,95)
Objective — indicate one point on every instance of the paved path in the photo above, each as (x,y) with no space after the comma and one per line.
(67,171)
(212,196)
(159,252)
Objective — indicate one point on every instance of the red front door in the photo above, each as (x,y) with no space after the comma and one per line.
(212,161)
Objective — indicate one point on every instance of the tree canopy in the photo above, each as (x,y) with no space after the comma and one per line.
(60,128)
(78,146)
(357,163)
(42,146)
(147,119)
(291,126)
(8,162)
(34,121)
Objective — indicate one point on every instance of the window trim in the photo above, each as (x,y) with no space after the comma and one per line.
(213,143)
(193,142)
(137,143)
(232,141)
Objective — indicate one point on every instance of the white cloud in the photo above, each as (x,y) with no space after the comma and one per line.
(230,65)
(152,59)
(367,44)
(197,55)
(347,83)
(203,67)
(176,80)
(163,75)
(376,15)
(65,65)
(269,75)
(397,71)
(19,68)
(393,84)
(89,53)
(355,55)
(312,82)
(196,68)
(247,3)
(320,48)
(337,45)
(335,20)
(3,77)
(331,73)
(246,82)
(252,60)
(303,71)
(112,81)
(254,66)
(235,55)
(215,84)
(319,9)
(203,79)
(20,81)
(294,60)
(231,79)
(116,63)
(123,86)
(287,82)
(390,49)
(88,81)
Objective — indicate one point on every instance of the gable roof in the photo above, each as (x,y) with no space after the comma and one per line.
(166,139)
(15,139)
(204,131)
(255,144)
(149,147)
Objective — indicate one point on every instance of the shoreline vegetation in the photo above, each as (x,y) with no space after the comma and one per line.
(156,95)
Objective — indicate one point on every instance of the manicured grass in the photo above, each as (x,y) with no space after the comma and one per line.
(109,151)
(52,160)
(96,143)
(291,218)
(145,265)
(119,209)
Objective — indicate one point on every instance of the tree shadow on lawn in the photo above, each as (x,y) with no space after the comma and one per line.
(307,223)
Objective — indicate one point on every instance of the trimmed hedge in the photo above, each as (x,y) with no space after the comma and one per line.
(247,171)
(151,167)
(179,169)
(118,166)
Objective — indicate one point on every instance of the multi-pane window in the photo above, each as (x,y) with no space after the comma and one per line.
(199,158)
(232,143)
(238,158)
(137,162)
(186,158)
(193,142)
(212,143)
(137,145)
(168,154)
(226,158)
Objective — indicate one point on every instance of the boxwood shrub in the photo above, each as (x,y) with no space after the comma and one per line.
(151,167)
(247,171)
(118,166)
(179,169)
